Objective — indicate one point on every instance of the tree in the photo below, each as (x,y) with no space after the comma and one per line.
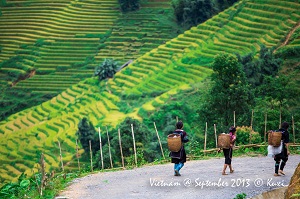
(268,63)
(281,90)
(129,5)
(256,71)
(2,3)
(141,134)
(86,132)
(106,69)
(230,91)
(198,11)
(193,12)
(178,7)
(223,4)
(144,139)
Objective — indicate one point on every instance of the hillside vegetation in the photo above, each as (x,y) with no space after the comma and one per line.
(158,73)
(48,46)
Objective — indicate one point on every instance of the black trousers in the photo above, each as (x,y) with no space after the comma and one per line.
(227,155)
(281,159)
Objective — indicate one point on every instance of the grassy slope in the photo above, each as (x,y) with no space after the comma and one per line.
(62,41)
(151,79)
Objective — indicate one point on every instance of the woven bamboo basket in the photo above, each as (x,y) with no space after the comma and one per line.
(224,141)
(274,138)
(174,142)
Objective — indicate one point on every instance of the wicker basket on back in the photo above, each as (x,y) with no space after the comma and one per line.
(224,141)
(174,142)
(274,138)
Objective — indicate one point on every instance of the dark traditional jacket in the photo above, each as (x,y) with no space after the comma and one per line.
(180,156)
(285,139)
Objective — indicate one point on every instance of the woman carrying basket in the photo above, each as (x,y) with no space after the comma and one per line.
(282,158)
(179,158)
(228,152)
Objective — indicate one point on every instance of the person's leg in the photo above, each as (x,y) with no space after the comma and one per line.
(283,162)
(224,169)
(176,172)
(231,169)
(229,161)
(175,166)
(180,165)
(277,162)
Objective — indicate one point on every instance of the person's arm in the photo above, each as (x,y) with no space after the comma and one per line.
(232,141)
(286,142)
(287,148)
(185,137)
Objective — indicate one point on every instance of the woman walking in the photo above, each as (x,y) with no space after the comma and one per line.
(228,152)
(282,158)
(179,158)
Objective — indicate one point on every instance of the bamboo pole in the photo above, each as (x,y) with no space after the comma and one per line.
(265,135)
(205,136)
(60,155)
(77,155)
(293,126)
(176,118)
(162,151)
(244,146)
(120,143)
(91,155)
(234,118)
(43,175)
(215,128)
(251,125)
(135,156)
(279,118)
(111,164)
(100,145)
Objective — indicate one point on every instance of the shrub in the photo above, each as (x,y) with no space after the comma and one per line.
(15,190)
(86,132)
(193,12)
(241,196)
(178,6)
(2,3)
(246,135)
(129,5)
(288,52)
(61,68)
(106,69)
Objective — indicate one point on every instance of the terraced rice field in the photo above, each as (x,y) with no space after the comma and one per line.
(164,68)
(57,37)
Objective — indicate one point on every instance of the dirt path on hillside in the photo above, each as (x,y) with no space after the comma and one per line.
(288,36)
(199,179)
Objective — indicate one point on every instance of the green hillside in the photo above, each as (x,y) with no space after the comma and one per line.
(159,71)
(51,45)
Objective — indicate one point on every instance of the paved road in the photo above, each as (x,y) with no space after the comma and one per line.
(199,179)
